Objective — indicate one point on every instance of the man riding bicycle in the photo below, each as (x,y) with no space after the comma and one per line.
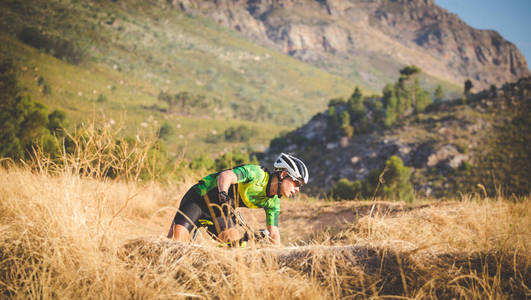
(252,186)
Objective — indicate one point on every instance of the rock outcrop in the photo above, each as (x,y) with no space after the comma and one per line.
(438,145)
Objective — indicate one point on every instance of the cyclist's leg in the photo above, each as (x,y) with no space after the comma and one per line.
(229,235)
(228,230)
(222,217)
(186,217)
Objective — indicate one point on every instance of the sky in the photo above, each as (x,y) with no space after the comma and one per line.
(510,18)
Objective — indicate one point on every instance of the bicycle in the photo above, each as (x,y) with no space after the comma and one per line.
(262,236)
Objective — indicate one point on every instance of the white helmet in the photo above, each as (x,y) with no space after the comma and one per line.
(294,166)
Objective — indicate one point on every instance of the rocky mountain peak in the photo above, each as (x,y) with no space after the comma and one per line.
(364,39)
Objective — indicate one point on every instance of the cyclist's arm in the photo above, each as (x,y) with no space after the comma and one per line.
(274,234)
(225,179)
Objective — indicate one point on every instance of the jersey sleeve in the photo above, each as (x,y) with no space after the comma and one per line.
(272,212)
(247,173)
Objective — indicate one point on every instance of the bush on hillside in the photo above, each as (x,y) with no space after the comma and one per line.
(166,131)
(395,185)
(396,181)
(188,103)
(505,164)
(201,162)
(233,134)
(241,133)
(401,99)
(345,189)
(232,159)
(24,123)
(226,161)
(54,45)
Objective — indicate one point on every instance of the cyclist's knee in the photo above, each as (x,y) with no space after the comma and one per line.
(179,233)
(229,234)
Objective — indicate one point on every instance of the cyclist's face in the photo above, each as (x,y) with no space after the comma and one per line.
(289,187)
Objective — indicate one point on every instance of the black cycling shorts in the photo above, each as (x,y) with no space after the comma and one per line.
(193,207)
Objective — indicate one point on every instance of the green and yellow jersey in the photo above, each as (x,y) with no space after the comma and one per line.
(252,186)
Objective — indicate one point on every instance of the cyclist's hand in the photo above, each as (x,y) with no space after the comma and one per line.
(224,197)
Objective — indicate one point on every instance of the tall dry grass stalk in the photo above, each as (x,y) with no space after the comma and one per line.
(100,149)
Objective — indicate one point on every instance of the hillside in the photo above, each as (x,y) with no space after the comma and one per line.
(113,59)
(450,147)
(271,68)
(367,41)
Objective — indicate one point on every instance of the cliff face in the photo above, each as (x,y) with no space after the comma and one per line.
(481,55)
(365,39)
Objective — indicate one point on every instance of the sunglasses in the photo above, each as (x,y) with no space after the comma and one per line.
(296,182)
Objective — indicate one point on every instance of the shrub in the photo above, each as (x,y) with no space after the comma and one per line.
(241,133)
(396,183)
(397,180)
(166,131)
(24,123)
(46,89)
(202,162)
(102,98)
(56,46)
(56,121)
(345,189)
(233,159)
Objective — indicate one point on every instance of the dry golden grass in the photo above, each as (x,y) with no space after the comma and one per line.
(68,232)
(66,236)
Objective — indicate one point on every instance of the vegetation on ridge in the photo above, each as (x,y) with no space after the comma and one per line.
(471,144)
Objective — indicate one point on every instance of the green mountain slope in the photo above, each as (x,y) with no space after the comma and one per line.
(131,51)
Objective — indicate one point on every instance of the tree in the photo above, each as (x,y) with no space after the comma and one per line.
(24,123)
(346,129)
(8,83)
(403,99)
(356,109)
(468,87)
(410,71)
(165,97)
(422,98)
(438,94)
(406,90)
(378,112)
(331,121)
(397,180)
(183,99)
(390,105)
(20,125)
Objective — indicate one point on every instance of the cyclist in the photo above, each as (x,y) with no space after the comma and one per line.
(249,186)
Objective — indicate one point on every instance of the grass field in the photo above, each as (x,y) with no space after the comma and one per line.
(140,49)
(133,51)
(69,237)
(69,231)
